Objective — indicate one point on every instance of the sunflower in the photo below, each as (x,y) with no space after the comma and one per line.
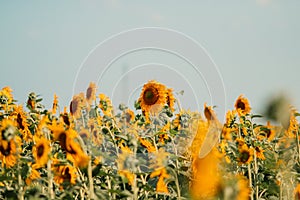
(243,189)
(54,104)
(91,93)
(205,172)
(31,101)
(9,151)
(76,154)
(259,152)
(64,174)
(77,104)
(122,164)
(84,134)
(230,118)
(22,124)
(34,174)
(164,133)
(267,132)
(148,145)
(226,133)
(6,97)
(105,105)
(41,151)
(242,106)
(129,115)
(57,128)
(170,99)
(297,192)
(293,125)
(162,174)
(209,113)
(94,130)
(245,154)
(66,119)
(153,97)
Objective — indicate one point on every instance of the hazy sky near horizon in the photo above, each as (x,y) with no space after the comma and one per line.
(254,43)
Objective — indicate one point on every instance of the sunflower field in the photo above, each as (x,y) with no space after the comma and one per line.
(92,150)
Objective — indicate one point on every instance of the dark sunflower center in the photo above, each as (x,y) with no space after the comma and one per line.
(241,105)
(66,119)
(89,93)
(67,175)
(208,114)
(244,156)
(40,150)
(73,106)
(150,96)
(20,121)
(268,132)
(6,151)
(62,139)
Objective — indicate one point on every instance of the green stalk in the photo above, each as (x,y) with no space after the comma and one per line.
(250,181)
(91,183)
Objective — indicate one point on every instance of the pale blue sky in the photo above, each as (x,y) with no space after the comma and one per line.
(254,43)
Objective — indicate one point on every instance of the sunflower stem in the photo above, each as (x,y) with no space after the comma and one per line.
(50,180)
(178,104)
(177,168)
(256,175)
(20,194)
(91,183)
(250,181)
(298,145)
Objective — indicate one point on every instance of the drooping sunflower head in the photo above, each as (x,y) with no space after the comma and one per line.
(41,151)
(91,93)
(242,106)
(54,104)
(84,134)
(77,104)
(128,115)
(153,97)
(209,113)
(170,99)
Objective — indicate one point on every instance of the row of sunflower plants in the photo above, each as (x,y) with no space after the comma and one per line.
(92,150)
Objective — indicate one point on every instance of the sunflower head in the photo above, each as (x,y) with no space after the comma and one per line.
(105,105)
(64,174)
(242,106)
(170,99)
(77,104)
(6,97)
(245,154)
(41,151)
(7,129)
(129,115)
(260,153)
(153,97)
(209,113)
(91,93)
(54,104)
(9,151)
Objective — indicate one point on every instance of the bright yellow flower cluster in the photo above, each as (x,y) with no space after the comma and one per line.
(158,151)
